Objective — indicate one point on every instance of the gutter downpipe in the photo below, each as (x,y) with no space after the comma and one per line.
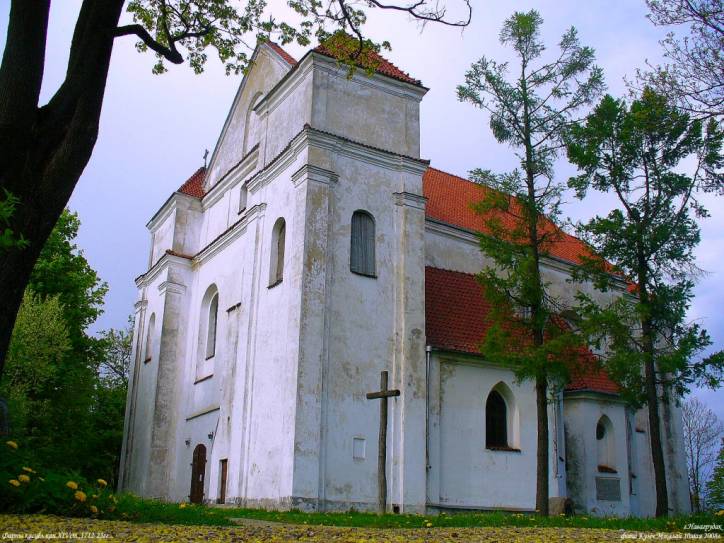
(428,353)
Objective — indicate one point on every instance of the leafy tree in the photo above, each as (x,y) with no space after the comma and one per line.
(39,344)
(715,486)
(116,363)
(529,111)
(635,152)
(46,147)
(65,401)
(694,72)
(63,271)
(702,434)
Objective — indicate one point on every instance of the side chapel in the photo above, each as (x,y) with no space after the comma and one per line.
(316,250)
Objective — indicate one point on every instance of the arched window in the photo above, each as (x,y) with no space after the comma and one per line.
(362,244)
(149,338)
(276,268)
(211,327)
(496,421)
(605,445)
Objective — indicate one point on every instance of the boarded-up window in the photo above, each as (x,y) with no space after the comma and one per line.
(496,421)
(362,251)
(276,267)
(211,330)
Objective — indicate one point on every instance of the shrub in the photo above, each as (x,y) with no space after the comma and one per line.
(27,489)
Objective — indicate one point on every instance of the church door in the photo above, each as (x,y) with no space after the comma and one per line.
(198,470)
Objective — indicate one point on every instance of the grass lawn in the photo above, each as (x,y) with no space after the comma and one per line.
(137,510)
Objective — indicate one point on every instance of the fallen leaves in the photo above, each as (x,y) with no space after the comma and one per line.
(45,527)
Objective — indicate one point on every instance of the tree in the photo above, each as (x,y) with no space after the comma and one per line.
(46,148)
(715,486)
(529,113)
(65,402)
(116,363)
(634,153)
(39,344)
(702,435)
(694,73)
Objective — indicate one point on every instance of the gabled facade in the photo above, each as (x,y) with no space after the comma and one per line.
(317,250)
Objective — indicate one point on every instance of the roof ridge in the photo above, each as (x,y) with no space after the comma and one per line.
(278,49)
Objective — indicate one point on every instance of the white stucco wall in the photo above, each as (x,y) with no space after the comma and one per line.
(283,398)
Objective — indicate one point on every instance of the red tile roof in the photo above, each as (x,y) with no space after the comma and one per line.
(457,317)
(380,63)
(194,185)
(450,199)
(282,53)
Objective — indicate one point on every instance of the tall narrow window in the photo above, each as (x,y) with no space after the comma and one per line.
(496,421)
(362,249)
(149,338)
(276,268)
(211,329)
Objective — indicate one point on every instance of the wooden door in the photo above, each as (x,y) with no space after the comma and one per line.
(198,471)
(222,486)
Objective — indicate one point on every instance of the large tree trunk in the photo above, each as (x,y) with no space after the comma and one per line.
(45,150)
(652,399)
(541,401)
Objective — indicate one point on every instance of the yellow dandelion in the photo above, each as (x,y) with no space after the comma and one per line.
(14,482)
(102,483)
(80,495)
(428,524)
(23,478)
(720,513)
(29,470)
(182,506)
(72,485)
(11,444)
(93,509)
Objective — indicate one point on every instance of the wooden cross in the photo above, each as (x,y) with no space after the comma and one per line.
(382,394)
(206,154)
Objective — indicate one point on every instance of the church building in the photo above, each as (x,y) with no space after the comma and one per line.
(317,250)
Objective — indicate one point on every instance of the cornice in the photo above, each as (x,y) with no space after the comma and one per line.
(230,234)
(309,172)
(471,236)
(595,395)
(408,199)
(167,259)
(168,207)
(235,175)
(170,286)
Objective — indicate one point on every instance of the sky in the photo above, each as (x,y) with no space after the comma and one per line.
(154,129)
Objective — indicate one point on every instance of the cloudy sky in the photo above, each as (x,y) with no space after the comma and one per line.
(154,129)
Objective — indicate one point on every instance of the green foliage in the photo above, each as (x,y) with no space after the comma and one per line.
(636,152)
(8,238)
(174,28)
(63,271)
(25,489)
(715,485)
(66,390)
(529,110)
(32,373)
